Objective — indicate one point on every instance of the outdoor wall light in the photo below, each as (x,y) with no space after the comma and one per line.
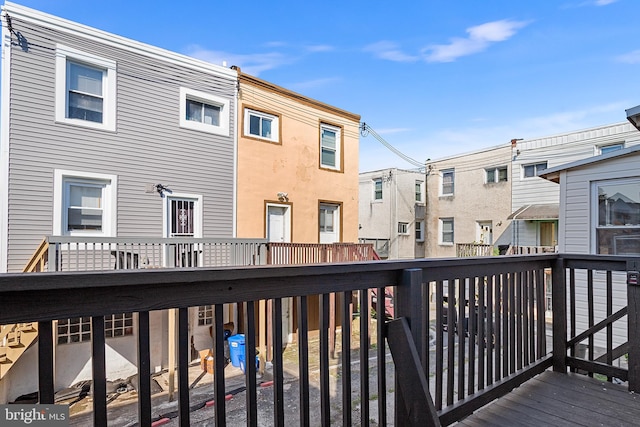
(283,197)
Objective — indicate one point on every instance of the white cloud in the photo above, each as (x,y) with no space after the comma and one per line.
(480,38)
(604,2)
(311,84)
(252,64)
(389,51)
(630,58)
(319,48)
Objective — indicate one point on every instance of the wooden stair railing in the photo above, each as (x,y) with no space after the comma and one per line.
(15,339)
(38,260)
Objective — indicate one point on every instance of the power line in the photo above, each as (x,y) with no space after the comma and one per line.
(366,130)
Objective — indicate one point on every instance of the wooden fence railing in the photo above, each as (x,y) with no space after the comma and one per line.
(490,333)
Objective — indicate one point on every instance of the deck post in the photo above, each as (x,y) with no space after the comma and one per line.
(633,325)
(407,304)
(559,306)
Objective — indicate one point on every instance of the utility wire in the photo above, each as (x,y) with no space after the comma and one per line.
(366,130)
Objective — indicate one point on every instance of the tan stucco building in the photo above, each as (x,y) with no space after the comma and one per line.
(468,200)
(297,166)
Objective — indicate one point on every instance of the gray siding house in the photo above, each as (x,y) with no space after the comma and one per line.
(92,122)
(535,201)
(105,137)
(600,214)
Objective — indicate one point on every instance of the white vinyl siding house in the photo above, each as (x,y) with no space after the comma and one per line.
(553,151)
(581,221)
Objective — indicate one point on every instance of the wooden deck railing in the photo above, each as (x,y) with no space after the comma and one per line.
(496,339)
(318,253)
(464,250)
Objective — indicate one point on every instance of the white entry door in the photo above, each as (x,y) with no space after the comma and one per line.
(484,232)
(278,223)
(279,230)
(329,223)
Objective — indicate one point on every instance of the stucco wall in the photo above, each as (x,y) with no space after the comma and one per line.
(379,218)
(292,165)
(473,199)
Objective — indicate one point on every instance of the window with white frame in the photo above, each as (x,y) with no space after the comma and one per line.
(498,174)
(403,228)
(118,325)
(617,231)
(330,138)
(261,125)
(205,315)
(419,191)
(446,231)
(377,189)
(204,112)
(419,231)
(84,203)
(85,89)
(532,170)
(78,329)
(447,187)
(604,149)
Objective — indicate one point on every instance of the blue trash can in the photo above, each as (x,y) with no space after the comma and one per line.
(236,349)
(242,362)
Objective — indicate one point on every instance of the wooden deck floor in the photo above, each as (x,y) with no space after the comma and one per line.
(555,399)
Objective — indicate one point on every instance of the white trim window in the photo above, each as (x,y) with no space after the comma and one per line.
(78,329)
(447,177)
(205,315)
(204,112)
(493,175)
(604,149)
(446,231)
(532,170)
(419,231)
(419,191)
(261,125)
(84,204)
(377,189)
(85,89)
(330,146)
(403,228)
(617,216)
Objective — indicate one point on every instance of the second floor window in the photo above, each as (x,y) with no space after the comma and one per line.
(496,175)
(419,191)
(85,97)
(204,112)
(85,89)
(447,182)
(261,125)
(532,170)
(377,189)
(330,147)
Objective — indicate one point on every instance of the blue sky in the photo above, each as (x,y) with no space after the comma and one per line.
(434,78)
